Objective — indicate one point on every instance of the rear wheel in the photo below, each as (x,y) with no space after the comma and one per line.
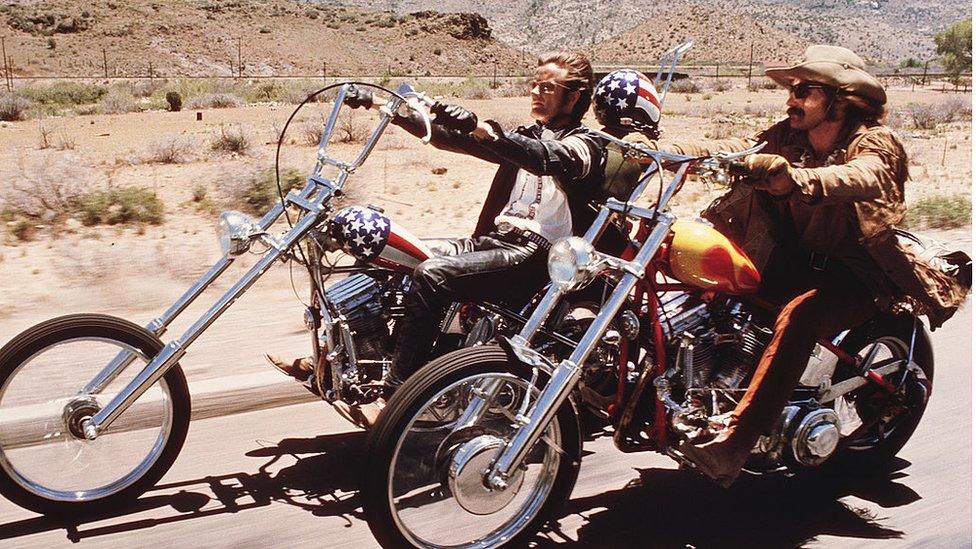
(424,484)
(877,423)
(46,463)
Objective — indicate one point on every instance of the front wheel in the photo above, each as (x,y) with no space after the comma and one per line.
(46,463)
(424,472)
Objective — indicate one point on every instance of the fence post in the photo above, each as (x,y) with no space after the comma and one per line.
(7,78)
(749,80)
(240,62)
(105,62)
(324,73)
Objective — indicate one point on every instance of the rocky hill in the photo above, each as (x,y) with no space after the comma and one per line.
(724,39)
(280,37)
(883,30)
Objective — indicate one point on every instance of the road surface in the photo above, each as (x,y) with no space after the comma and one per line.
(287,477)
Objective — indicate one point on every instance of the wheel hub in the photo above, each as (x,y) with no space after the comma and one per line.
(467,477)
(76,412)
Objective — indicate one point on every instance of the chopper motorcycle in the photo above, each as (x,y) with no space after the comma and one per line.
(670,350)
(95,409)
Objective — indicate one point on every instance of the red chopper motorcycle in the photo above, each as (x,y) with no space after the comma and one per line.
(480,446)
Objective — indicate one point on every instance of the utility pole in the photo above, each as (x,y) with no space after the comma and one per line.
(105,62)
(240,64)
(6,65)
(325,72)
(749,83)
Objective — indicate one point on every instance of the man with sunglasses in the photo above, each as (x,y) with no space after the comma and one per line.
(548,173)
(831,184)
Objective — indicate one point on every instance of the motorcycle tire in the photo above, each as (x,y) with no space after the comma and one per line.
(393,431)
(873,450)
(46,463)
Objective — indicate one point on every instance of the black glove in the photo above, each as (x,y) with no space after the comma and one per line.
(454,117)
(358,98)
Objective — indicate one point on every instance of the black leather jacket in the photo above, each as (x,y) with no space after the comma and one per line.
(523,148)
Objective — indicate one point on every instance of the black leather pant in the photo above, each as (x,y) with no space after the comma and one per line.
(462,269)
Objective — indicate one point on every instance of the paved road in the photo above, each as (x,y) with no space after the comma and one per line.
(286,477)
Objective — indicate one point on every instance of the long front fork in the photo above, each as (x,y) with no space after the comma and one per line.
(567,373)
(174,351)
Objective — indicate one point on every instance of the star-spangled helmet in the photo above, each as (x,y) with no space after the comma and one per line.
(627,97)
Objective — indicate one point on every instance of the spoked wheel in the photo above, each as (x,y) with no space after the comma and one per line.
(878,423)
(46,463)
(425,485)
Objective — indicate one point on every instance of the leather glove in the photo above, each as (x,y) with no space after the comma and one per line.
(454,117)
(357,98)
(770,173)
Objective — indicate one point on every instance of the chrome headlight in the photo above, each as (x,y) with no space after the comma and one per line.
(572,263)
(235,230)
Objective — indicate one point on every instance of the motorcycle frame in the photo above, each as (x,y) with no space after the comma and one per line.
(313,201)
(639,276)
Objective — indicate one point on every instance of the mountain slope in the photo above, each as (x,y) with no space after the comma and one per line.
(278,37)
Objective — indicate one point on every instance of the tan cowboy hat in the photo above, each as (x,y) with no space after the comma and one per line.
(835,66)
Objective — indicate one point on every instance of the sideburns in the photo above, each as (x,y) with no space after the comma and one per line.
(837,109)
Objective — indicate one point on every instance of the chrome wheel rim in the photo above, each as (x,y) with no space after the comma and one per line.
(419,485)
(41,407)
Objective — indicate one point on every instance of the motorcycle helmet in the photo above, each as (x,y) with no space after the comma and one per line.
(627,98)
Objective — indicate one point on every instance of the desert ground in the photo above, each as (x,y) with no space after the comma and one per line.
(136,271)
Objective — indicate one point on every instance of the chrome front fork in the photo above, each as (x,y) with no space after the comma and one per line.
(567,373)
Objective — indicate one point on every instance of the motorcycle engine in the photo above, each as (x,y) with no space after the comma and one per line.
(357,301)
(723,338)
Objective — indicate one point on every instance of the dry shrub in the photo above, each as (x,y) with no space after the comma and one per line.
(46,189)
(174,149)
(231,140)
(311,132)
(45,136)
(119,205)
(942,212)
(685,85)
(519,88)
(13,107)
(929,116)
(477,91)
(350,129)
(260,191)
(215,101)
(146,88)
(721,85)
(117,102)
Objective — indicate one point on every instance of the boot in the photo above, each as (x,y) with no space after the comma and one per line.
(363,416)
(722,458)
(300,368)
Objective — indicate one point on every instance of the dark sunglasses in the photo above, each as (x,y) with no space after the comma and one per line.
(804,89)
(547,87)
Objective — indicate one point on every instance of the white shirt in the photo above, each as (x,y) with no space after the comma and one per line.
(538,204)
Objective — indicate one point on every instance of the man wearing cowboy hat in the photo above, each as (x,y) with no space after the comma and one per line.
(832,188)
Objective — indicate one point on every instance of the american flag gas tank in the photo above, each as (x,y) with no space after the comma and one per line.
(372,237)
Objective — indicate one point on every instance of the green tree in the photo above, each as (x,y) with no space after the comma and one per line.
(955,45)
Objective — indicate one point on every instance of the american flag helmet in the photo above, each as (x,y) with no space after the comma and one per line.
(627,97)
(374,238)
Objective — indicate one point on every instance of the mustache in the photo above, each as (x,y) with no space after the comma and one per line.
(795,110)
